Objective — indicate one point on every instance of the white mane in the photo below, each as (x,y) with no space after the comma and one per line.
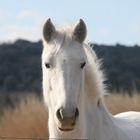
(96,74)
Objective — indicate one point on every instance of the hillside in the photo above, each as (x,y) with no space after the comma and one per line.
(121,65)
(20,66)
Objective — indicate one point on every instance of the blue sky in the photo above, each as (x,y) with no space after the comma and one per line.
(108,21)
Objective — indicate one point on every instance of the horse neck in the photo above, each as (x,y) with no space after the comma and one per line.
(98,121)
(96,114)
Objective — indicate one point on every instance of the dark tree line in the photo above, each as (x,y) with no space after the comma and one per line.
(20,66)
(122,66)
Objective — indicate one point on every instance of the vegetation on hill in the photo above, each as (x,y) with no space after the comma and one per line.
(121,64)
(20,66)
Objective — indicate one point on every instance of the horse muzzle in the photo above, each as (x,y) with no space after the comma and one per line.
(66,121)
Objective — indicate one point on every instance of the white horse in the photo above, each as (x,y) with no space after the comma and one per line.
(73,90)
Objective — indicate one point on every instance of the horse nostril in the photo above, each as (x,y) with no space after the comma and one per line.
(59,114)
(76,113)
(62,114)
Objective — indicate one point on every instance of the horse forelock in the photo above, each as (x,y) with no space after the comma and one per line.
(61,39)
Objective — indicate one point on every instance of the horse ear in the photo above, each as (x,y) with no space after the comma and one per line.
(80,31)
(48,30)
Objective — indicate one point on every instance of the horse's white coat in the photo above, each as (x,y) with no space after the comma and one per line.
(65,84)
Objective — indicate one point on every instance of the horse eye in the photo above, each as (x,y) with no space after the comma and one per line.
(47,65)
(83,65)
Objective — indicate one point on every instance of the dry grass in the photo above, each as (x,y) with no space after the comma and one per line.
(117,103)
(29,119)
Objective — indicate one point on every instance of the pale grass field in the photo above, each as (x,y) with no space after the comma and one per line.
(118,103)
(29,119)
